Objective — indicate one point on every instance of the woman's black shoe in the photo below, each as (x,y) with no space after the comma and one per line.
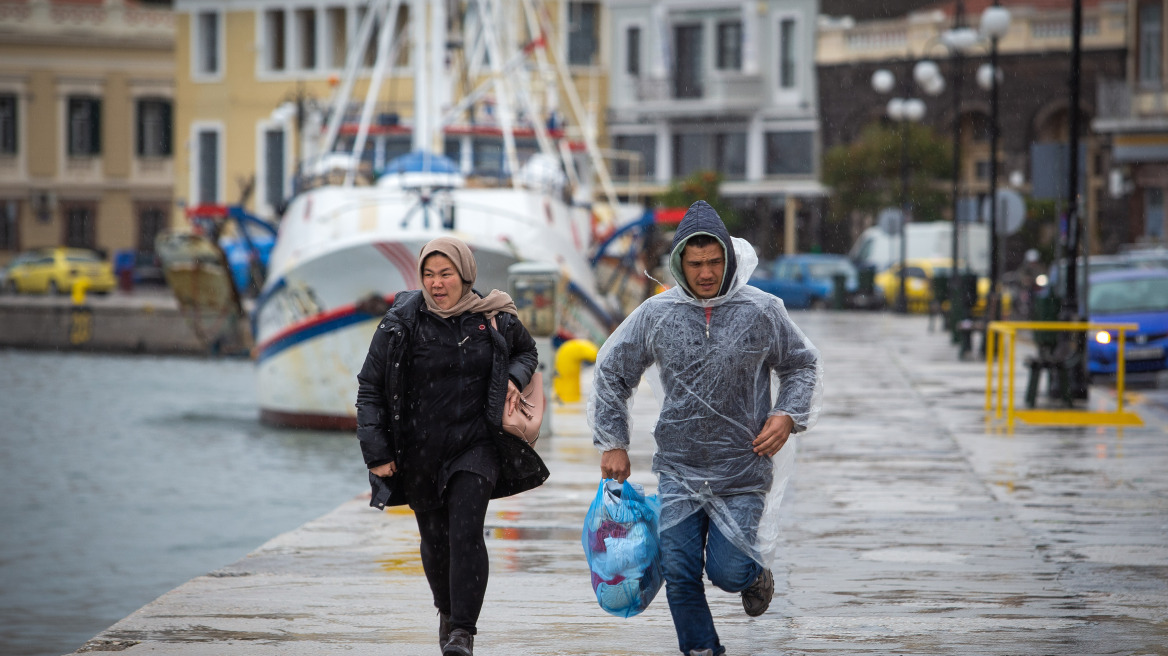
(461,643)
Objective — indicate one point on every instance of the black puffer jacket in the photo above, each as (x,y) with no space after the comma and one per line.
(381,400)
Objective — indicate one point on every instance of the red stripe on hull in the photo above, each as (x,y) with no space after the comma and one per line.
(307,421)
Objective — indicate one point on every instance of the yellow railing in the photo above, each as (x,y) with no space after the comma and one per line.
(1004,356)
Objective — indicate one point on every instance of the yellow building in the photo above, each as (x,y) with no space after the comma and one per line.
(86,148)
(248,77)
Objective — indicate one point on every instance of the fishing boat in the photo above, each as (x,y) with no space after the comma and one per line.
(349,239)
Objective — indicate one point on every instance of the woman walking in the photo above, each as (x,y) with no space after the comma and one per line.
(443,366)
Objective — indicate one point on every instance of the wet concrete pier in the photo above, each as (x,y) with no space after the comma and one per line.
(912,526)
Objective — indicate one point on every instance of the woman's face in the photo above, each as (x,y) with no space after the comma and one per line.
(441,279)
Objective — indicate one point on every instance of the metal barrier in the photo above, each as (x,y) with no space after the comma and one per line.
(997,330)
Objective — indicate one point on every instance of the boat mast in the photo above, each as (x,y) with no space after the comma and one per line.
(375,15)
(384,56)
(587,129)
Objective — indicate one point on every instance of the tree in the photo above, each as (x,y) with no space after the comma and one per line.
(865,176)
(702,185)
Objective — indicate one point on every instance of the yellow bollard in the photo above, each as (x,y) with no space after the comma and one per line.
(569,357)
(79,289)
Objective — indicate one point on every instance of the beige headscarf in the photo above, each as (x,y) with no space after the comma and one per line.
(459,253)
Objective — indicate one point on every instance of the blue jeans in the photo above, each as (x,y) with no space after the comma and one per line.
(684,547)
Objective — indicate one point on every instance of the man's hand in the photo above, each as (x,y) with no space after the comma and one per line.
(774,435)
(388,469)
(615,464)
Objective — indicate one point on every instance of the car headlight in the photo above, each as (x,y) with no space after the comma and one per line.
(1103,337)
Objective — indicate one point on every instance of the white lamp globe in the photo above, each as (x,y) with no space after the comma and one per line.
(935,86)
(883,81)
(914,109)
(995,22)
(985,76)
(925,72)
(895,109)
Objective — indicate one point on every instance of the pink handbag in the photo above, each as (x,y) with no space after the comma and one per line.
(525,420)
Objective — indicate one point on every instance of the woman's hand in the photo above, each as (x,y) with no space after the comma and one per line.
(388,469)
(512,403)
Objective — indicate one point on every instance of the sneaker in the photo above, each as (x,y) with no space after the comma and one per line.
(443,629)
(701,652)
(461,643)
(757,598)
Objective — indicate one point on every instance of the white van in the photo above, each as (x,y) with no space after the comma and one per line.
(877,248)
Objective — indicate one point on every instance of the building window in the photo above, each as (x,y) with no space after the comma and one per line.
(1154,214)
(487,155)
(274,39)
(306,39)
(154,128)
(374,36)
(80,225)
(151,223)
(274,169)
(730,154)
(693,153)
(787,45)
(9,225)
(206,166)
(981,169)
(789,153)
(583,33)
(452,148)
(1151,35)
(730,46)
(7,124)
(84,127)
(338,36)
(206,43)
(633,51)
(687,71)
(640,158)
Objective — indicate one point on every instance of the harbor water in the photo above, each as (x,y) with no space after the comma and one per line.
(121,477)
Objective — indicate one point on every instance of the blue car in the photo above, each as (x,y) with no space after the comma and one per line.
(808,281)
(1137,296)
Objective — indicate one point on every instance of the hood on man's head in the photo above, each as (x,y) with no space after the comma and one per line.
(701,219)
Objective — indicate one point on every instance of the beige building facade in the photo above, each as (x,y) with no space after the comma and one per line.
(86,105)
(253,77)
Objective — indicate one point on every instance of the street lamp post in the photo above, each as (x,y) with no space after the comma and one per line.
(995,22)
(903,110)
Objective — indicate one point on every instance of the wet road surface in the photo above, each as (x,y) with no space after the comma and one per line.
(912,526)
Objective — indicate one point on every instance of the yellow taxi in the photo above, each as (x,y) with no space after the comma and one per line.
(57,270)
(918,285)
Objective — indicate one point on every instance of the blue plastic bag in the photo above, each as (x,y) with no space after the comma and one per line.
(621,544)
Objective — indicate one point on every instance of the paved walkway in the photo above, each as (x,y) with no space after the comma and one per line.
(912,527)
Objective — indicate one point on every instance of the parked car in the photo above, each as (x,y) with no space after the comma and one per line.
(141,267)
(808,281)
(918,285)
(1137,296)
(56,270)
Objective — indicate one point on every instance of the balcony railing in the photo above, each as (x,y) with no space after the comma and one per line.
(1124,99)
(725,91)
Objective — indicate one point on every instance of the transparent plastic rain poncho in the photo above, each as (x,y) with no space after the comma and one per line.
(715,393)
